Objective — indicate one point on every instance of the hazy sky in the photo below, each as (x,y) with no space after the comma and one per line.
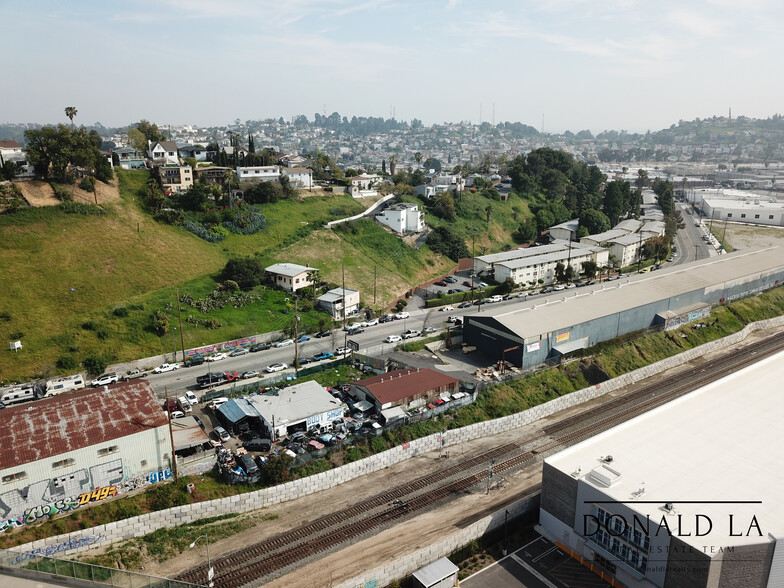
(595,64)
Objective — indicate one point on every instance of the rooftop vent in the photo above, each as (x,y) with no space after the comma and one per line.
(607,459)
(605,476)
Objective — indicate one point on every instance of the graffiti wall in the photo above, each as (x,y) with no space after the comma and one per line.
(51,550)
(221,347)
(48,498)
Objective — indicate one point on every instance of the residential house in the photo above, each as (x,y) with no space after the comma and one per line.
(293,161)
(340,302)
(196,152)
(407,388)
(175,178)
(403,217)
(301,178)
(259,173)
(363,185)
(9,148)
(163,152)
(290,276)
(128,158)
(213,174)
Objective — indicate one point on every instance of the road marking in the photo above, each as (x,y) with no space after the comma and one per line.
(534,572)
(546,553)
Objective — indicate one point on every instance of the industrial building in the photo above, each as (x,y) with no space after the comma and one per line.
(687,494)
(406,388)
(747,209)
(59,448)
(295,408)
(539,330)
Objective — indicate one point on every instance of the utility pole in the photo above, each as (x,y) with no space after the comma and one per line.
(171,437)
(343,277)
(296,336)
(490,474)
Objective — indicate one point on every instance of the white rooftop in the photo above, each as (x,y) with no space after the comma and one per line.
(749,203)
(288,269)
(295,403)
(723,442)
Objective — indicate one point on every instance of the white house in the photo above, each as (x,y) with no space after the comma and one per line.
(8,147)
(340,302)
(163,152)
(300,177)
(402,218)
(363,184)
(259,173)
(196,152)
(290,276)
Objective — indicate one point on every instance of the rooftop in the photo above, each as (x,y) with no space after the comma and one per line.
(683,451)
(295,403)
(399,384)
(750,203)
(336,294)
(56,425)
(288,269)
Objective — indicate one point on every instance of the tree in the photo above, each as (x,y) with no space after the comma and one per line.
(418,157)
(526,232)
(137,140)
(246,271)
(488,212)
(70,112)
(589,269)
(444,206)
(617,199)
(656,247)
(53,151)
(594,221)
(560,274)
(544,220)
(444,241)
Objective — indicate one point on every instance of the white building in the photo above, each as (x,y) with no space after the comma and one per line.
(259,173)
(290,276)
(297,408)
(57,449)
(403,217)
(536,256)
(763,211)
(301,178)
(565,231)
(672,498)
(626,249)
(340,302)
(533,268)
(604,237)
(364,185)
(163,152)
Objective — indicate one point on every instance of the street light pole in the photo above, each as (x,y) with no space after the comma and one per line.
(210,573)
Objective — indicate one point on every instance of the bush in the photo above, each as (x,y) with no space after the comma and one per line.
(95,364)
(87,184)
(66,362)
(62,194)
(160,323)
(247,272)
(246,222)
(120,312)
(170,217)
(83,208)
(211,236)
(90,326)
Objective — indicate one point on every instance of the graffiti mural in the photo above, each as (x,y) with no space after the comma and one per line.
(48,498)
(50,550)
(220,347)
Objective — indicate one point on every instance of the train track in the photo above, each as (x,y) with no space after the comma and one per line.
(277,555)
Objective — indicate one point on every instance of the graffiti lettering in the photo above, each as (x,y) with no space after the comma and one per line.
(227,346)
(50,550)
(160,476)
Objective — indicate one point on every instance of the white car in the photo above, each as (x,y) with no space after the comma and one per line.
(216,357)
(393,339)
(108,378)
(177,414)
(412,333)
(166,367)
(283,343)
(402,315)
(559,287)
(372,322)
(446,308)
(342,350)
(191,397)
(276,367)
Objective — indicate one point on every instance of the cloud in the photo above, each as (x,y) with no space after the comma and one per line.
(697,23)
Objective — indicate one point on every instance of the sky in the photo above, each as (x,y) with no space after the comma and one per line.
(555,64)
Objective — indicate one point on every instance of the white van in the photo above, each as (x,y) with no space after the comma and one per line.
(216,402)
(64,384)
(185,406)
(15,394)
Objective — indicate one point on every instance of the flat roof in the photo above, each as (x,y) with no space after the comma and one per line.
(288,269)
(295,403)
(399,384)
(751,203)
(541,250)
(546,258)
(723,442)
(187,433)
(66,422)
(607,235)
(573,307)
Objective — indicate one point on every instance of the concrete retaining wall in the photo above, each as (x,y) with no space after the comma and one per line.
(147,523)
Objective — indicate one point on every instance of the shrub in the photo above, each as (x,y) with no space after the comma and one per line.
(170,216)
(247,272)
(160,323)
(16,335)
(246,222)
(61,193)
(66,362)
(211,236)
(83,208)
(90,326)
(87,184)
(120,312)
(95,364)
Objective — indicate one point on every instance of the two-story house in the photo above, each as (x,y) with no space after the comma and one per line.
(290,276)
(163,152)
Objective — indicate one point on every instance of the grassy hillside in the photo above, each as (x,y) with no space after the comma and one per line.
(80,285)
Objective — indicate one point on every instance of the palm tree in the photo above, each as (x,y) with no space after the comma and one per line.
(418,157)
(70,112)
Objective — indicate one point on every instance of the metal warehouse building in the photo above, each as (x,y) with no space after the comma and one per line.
(688,494)
(56,449)
(576,319)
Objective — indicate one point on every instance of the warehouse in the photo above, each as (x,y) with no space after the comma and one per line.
(57,450)
(543,329)
(407,388)
(666,499)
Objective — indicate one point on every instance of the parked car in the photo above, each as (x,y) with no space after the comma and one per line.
(323,334)
(547,290)
(440,283)
(372,322)
(342,350)
(386,318)
(305,360)
(482,285)
(430,330)
(132,375)
(105,379)
(393,339)
(177,414)
(570,285)
(276,367)
(450,279)
(445,308)
(559,287)
(467,283)
(283,343)
(216,402)
(193,360)
(464,305)
(191,397)
(355,330)
(410,333)
(260,347)
(258,444)
(216,357)
(323,355)
(231,376)
(238,352)
(454,291)
(402,315)
(314,445)
(248,464)
(166,367)
(495,298)
(208,380)
(222,434)
(303,338)
(250,374)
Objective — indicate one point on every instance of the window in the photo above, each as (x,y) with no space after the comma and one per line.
(14,477)
(770,217)
(743,215)
(729,215)
(756,216)
(63,463)
(108,450)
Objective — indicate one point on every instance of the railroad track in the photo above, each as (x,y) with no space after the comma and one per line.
(277,555)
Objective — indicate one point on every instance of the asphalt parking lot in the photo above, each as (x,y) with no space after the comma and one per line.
(539,564)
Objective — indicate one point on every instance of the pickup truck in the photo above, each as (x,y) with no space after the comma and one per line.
(132,375)
(411,333)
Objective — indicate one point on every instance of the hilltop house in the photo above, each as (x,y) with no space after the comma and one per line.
(290,276)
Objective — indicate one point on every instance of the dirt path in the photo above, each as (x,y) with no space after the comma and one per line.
(41,194)
(404,537)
